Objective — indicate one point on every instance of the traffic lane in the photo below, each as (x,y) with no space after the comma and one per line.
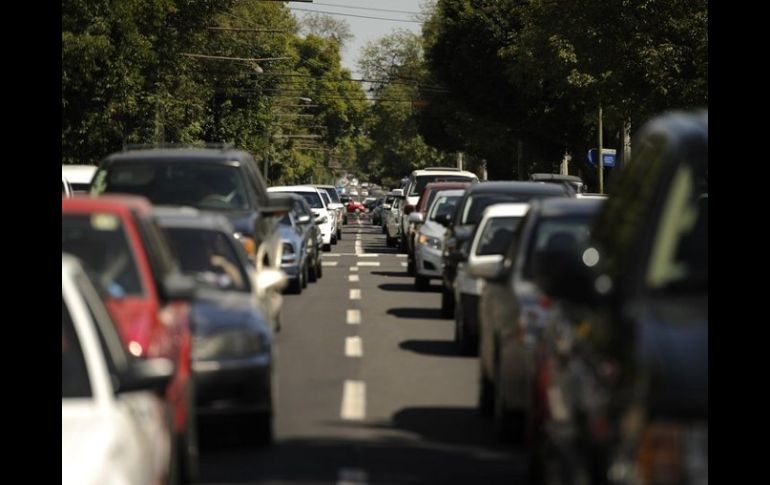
(420,424)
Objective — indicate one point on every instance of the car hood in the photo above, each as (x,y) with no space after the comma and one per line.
(91,450)
(214,310)
(288,233)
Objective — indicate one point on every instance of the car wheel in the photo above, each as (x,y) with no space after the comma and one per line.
(410,267)
(295,285)
(334,239)
(486,394)
(312,273)
(327,247)
(305,275)
(319,270)
(188,442)
(339,234)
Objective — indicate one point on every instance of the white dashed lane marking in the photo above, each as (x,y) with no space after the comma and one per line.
(329,263)
(355,294)
(353,400)
(353,278)
(354,347)
(354,317)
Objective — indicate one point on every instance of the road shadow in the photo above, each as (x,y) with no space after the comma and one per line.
(384,460)
(426,313)
(401,274)
(441,348)
(397,287)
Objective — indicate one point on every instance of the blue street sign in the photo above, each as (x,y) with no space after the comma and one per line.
(608,157)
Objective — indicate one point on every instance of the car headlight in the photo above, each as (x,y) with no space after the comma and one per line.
(431,242)
(288,255)
(229,344)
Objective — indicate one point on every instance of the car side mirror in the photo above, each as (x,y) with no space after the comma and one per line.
(416,218)
(408,209)
(489,267)
(146,375)
(303,219)
(176,286)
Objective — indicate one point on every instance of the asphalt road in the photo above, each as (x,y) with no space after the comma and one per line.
(369,386)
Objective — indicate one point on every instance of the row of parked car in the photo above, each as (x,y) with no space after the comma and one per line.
(589,314)
(172,277)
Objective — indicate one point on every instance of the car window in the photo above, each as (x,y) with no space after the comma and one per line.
(101,242)
(208,186)
(74,373)
(679,258)
(209,257)
(497,235)
(326,198)
(333,194)
(564,233)
(312,198)
(446,204)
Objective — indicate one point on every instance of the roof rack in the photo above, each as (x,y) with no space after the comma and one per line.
(453,169)
(148,146)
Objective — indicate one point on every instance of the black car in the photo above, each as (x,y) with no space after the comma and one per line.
(222,180)
(633,328)
(478,197)
(232,356)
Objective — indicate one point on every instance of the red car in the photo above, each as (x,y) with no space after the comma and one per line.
(124,250)
(355,206)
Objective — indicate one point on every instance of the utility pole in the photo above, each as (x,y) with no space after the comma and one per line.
(626,141)
(519,151)
(600,164)
(460,160)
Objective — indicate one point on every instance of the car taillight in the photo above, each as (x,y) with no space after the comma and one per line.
(545,302)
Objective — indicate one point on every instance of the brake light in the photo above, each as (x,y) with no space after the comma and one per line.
(659,457)
(545,302)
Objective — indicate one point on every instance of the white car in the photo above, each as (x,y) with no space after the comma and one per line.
(418,179)
(325,217)
(490,242)
(115,426)
(79,177)
(430,238)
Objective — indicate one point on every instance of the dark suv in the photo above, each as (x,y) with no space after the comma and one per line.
(623,379)
(222,180)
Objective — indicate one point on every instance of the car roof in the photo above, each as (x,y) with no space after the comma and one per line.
(442,171)
(190,155)
(506,210)
(566,206)
(512,186)
(118,203)
(293,188)
(542,177)
(190,217)
(450,193)
(78,173)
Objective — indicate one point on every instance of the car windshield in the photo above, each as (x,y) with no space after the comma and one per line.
(423,180)
(209,257)
(100,241)
(497,235)
(332,194)
(563,233)
(475,205)
(74,373)
(446,204)
(313,199)
(210,186)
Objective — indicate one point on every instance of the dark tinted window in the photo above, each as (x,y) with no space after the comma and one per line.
(211,186)
(497,235)
(562,233)
(209,257)
(100,241)
(475,204)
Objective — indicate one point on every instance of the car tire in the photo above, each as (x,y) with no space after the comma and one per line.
(188,442)
(312,273)
(410,270)
(327,247)
(305,275)
(295,286)
(319,272)
(339,234)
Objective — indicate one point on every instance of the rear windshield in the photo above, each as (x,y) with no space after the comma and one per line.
(100,241)
(208,186)
(563,232)
(446,204)
(333,194)
(313,199)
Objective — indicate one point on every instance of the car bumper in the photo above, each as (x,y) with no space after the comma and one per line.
(427,261)
(233,386)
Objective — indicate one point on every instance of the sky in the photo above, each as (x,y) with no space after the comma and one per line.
(364,30)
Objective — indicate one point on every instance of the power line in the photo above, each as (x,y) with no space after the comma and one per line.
(364,8)
(353,15)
